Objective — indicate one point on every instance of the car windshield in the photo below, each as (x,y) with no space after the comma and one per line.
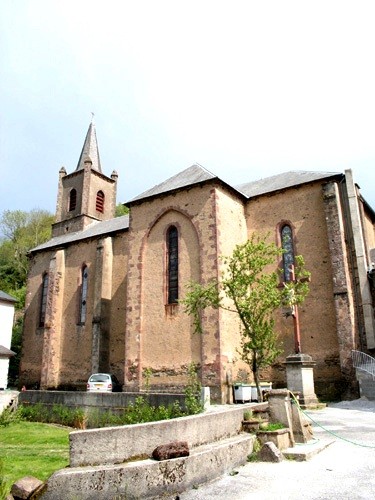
(100,377)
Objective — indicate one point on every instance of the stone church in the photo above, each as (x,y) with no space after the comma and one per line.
(103,294)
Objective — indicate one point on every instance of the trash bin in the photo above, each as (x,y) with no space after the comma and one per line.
(264,387)
(254,392)
(242,392)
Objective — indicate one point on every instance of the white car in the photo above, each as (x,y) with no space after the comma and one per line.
(103,382)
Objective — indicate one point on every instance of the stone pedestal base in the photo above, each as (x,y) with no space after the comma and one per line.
(300,378)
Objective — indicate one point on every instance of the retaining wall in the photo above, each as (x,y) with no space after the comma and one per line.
(113,401)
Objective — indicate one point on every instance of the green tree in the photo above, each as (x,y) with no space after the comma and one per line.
(14,361)
(254,295)
(21,232)
(121,210)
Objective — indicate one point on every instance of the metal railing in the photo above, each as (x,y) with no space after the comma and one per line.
(364,362)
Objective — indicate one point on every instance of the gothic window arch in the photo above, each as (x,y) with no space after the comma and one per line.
(172,265)
(287,244)
(100,201)
(72,200)
(43,300)
(83,295)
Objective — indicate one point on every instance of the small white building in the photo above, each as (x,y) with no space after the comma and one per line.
(6,324)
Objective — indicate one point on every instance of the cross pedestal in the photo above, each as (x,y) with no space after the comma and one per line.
(299,367)
(300,378)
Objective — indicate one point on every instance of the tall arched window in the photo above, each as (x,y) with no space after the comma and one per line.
(172,265)
(43,300)
(83,297)
(72,200)
(287,245)
(100,201)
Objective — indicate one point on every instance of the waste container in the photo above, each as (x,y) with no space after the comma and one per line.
(242,392)
(254,392)
(264,387)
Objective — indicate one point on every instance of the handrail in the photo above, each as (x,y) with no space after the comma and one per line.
(364,362)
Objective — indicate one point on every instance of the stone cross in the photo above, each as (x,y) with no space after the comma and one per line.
(297,332)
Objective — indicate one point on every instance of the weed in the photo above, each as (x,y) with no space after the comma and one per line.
(253,457)
(8,416)
(140,411)
(193,403)
(248,415)
(147,372)
(271,426)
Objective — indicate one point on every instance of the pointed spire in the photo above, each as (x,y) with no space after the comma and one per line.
(90,150)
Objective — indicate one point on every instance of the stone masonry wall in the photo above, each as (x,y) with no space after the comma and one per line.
(303,208)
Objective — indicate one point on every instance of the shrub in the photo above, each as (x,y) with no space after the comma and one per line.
(193,402)
(7,417)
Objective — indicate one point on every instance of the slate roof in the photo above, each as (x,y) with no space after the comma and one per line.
(6,297)
(195,174)
(282,181)
(90,150)
(93,230)
(6,352)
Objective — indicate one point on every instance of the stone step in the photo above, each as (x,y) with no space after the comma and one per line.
(149,478)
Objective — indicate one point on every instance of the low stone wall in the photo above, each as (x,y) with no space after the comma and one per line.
(113,445)
(115,462)
(113,401)
(150,479)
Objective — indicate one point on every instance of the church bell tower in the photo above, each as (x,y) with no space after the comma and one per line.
(85,195)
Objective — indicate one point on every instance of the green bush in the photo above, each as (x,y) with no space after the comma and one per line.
(140,411)
(8,416)
(193,402)
(57,414)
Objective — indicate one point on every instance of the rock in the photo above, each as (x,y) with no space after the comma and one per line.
(175,449)
(270,453)
(26,487)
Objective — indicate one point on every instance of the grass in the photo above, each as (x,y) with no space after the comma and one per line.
(33,449)
(269,427)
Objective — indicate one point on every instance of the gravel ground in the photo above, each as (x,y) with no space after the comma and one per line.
(344,470)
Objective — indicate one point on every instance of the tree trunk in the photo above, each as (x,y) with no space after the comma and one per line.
(256,379)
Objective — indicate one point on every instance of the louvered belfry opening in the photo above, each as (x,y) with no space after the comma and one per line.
(100,202)
(72,200)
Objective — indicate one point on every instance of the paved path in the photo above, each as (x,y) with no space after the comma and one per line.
(342,471)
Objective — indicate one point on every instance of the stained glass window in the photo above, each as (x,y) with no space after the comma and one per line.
(172,271)
(288,255)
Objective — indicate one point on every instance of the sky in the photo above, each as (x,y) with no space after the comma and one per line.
(247,89)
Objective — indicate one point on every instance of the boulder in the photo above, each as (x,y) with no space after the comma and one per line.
(26,488)
(175,449)
(270,453)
